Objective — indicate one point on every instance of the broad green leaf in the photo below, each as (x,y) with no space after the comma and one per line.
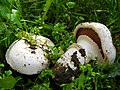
(2,65)
(70,4)
(7,82)
(8,73)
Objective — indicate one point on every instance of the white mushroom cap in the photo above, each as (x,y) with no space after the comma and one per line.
(101,35)
(29,59)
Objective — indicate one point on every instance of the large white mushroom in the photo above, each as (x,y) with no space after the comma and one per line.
(98,34)
(94,42)
(27,58)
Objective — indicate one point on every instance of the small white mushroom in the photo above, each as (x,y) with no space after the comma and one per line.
(67,66)
(29,59)
(94,42)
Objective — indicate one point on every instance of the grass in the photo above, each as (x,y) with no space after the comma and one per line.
(56,19)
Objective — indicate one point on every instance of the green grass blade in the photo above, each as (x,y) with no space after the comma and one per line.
(46,8)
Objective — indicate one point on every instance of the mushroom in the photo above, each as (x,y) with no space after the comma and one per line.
(93,42)
(27,58)
(101,36)
(67,66)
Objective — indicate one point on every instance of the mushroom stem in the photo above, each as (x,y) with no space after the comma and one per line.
(90,47)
